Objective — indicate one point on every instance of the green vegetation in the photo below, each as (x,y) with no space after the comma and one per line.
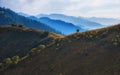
(33,51)
(15,59)
(116,40)
(1,66)
(58,44)
(36,50)
(41,47)
(7,62)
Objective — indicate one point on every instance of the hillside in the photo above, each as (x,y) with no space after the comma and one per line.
(8,17)
(79,21)
(19,41)
(61,26)
(95,52)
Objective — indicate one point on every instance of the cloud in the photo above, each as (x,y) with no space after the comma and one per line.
(101,8)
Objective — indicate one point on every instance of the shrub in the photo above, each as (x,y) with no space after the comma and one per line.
(37,50)
(116,40)
(15,59)
(41,47)
(8,61)
(1,65)
(33,51)
(58,44)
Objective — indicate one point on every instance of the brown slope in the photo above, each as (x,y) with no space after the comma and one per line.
(19,40)
(94,52)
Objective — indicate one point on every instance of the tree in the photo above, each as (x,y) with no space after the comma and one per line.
(77,30)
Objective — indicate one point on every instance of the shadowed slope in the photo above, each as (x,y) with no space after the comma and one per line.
(94,52)
(18,41)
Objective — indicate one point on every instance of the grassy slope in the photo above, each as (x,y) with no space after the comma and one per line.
(94,52)
(18,41)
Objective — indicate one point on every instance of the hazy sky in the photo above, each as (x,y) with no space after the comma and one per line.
(86,8)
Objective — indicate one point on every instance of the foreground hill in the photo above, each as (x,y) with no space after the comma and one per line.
(19,40)
(64,27)
(8,16)
(95,52)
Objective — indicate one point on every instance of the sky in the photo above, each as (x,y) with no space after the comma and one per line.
(84,8)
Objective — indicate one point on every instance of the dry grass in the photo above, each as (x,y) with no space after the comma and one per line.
(88,53)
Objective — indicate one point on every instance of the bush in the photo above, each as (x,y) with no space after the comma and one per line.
(58,44)
(37,50)
(1,65)
(33,51)
(8,61)
(41,47)
(116,40)
(15,59)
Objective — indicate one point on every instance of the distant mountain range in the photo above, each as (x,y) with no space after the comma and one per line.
(58,23)
(83,22)
(78,21)
(104,21)
(8,17)
(86,23)
(64,27)
(23,14)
